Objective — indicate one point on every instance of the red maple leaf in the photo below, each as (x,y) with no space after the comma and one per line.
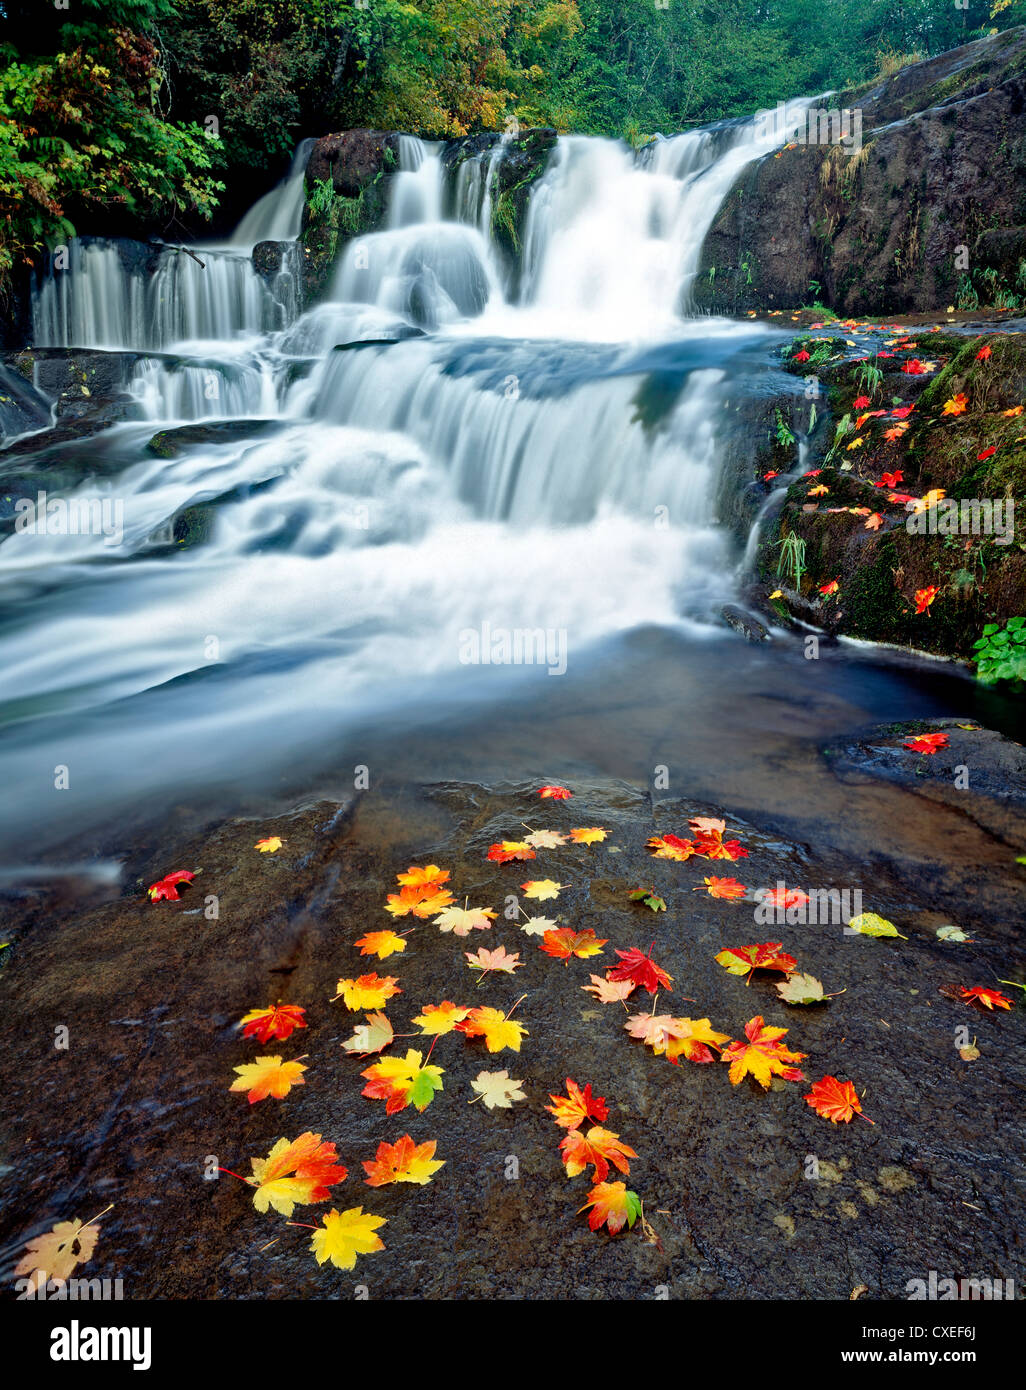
(927,743)
(641,969)
(555,793)
(167,887)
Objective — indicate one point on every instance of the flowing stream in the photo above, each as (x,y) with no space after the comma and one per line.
(401,510)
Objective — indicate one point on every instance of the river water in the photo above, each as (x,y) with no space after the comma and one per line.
(474,550)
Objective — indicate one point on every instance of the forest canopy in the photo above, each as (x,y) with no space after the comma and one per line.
(147,108)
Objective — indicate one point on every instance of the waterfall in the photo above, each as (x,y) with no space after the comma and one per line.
(278,215)
(546,463)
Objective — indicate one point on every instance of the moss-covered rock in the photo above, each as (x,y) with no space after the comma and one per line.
(908,505)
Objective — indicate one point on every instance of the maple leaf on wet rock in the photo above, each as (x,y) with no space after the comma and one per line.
(570,1111)
(982,998)
(380,944)
(420,900)
(554,793)
(277,1021)
(346,1234)
(691,1038)
(609,991)
(371,991)
(613,1206)
(440,1018)
(497,1089)
(271,845)
(461,921)
(507,850)
(671,847)
(58,1253)
(599,1147)
(495,1027)
(542,889)
(636,966)
(835,1100)
(764,955)
(295,1173)
(545,839)
(649,897)
(565,943)
(402,1081)
(763,1056)
(166,888)
(403,1161)
(588,835)
(416,877)
(728,888)
(373,1036)
(538,926)
(499,959)
(927,743)
(268,1076)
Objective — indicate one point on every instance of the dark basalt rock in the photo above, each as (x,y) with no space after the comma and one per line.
(169,444)
(942,166)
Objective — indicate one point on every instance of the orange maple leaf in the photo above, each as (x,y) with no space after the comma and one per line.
(565,942)
(380,943)
(762,1056)
(403,1161)
(313,1168)
(835,1100)
(985,998)
(670,847)
(721,887)
(874,522)
(421,899)
(570,1111)
(599,1147)
(415,877)
(613,1206)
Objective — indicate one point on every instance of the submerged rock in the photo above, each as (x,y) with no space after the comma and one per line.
(750,628)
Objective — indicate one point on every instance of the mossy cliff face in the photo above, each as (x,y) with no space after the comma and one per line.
(875,511)
(942,167)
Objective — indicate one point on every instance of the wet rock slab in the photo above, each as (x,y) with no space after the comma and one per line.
(132,1111)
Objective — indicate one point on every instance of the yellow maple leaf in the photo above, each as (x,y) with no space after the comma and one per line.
(367,991)
(440,1018)
(268,1076)
(58,1253)
(271,845)
(497,1030)
(588,835)
(542,888)
(345,1235)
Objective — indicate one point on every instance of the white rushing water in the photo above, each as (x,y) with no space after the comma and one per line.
(548,465)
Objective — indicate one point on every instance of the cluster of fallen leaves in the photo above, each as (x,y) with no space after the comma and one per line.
(303,1171)
(894,424)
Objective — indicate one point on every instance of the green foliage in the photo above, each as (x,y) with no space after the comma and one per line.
(105,108)
(784,433)
(792,558)
(1001,653)
(83,133)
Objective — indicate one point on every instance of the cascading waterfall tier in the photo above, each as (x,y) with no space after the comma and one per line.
(441,458)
